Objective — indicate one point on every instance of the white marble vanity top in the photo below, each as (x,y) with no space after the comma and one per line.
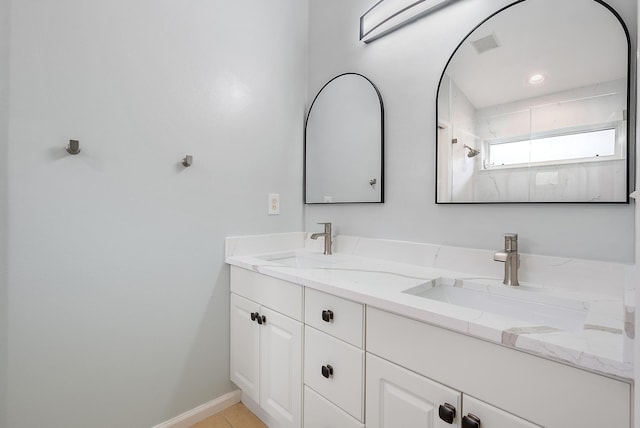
(593,340)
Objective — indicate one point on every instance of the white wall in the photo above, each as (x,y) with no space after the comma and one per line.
(406,66)
(118,293)
(4,115)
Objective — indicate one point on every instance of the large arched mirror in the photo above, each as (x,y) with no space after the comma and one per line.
(533,107)
(344,143)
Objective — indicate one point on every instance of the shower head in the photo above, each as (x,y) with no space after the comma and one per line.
(472,152)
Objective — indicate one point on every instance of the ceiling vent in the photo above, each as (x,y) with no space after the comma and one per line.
(486,43)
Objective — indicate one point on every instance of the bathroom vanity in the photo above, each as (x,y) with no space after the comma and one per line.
(356,339)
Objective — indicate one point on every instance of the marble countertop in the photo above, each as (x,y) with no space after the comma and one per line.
(595,345)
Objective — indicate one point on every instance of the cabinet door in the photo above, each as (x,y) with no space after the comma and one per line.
(399,398)
(245,346)
(489,416)
(281,368)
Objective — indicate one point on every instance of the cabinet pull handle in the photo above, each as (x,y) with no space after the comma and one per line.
(447,413)
(264,319)
(327,315)
(254,316)
(327,371)
(471,421)
(261,319)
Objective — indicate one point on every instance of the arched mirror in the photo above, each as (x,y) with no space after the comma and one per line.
(533,107)
(344,143)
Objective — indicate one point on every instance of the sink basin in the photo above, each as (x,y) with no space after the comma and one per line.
(335,268)
(521,304)
(299,261)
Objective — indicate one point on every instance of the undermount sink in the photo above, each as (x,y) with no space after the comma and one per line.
(522,303)
(306,261)
(341,269)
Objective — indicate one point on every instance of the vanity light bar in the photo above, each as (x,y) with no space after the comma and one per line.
(389,15)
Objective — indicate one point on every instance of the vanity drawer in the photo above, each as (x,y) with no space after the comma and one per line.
(493,417)
(320,413)
(335,369)
(339,317)
(281,296)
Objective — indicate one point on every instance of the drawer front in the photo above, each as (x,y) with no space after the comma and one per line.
(281,296)
(335,369)
(339,317)
(493,417)
(542,391)
(320,413)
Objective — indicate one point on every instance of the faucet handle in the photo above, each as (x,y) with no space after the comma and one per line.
(511,242)
(327,227)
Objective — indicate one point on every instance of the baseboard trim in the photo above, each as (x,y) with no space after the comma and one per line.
(193,416)
(259,411)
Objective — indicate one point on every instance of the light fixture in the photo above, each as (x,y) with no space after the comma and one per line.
(536,79)
(389,15)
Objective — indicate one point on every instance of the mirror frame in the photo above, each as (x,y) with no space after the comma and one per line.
(304,173)
(631,120)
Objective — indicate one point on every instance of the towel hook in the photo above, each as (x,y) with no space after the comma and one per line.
(187,161)
(73,147)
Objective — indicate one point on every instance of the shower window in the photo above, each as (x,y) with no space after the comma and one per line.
(560,148)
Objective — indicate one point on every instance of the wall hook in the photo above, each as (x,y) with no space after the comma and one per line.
(187,161)
(73,147)
(373,181)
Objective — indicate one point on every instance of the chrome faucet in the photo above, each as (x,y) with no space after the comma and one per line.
(327,238)
(511,259)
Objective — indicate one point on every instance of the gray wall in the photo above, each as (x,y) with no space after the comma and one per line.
(118,292)
(4,115)
(406,66)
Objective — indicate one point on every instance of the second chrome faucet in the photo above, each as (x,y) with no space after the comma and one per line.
(327,237)
(511,259)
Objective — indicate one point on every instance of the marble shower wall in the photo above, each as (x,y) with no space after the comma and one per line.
(589,181)
(462,130)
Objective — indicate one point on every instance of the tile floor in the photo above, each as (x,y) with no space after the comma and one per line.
(236,416)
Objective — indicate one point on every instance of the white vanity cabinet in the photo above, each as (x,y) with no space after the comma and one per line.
(266,345)
(524,386)
(415,374)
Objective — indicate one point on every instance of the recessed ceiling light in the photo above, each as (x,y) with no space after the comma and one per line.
(536,79)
